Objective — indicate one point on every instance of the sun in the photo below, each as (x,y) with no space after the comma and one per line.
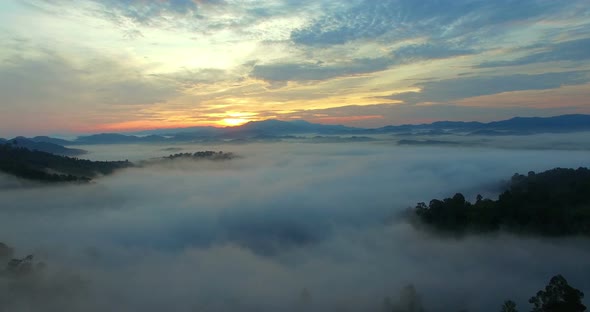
(232,122)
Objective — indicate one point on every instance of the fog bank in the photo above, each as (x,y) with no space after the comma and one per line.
(257,232)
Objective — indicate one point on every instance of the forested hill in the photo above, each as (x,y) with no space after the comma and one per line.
(46,167)
(38,144)
(554,202)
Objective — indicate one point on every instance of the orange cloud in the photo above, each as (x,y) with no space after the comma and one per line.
(568,96)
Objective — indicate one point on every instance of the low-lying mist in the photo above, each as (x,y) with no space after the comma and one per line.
(285,227)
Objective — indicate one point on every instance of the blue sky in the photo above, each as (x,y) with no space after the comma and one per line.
(109,65)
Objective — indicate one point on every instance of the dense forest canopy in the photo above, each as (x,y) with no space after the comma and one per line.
(554,202)
(557,296)
(211,155)
(46,167)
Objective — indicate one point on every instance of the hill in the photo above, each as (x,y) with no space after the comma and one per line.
(563,123)
(46,139)
(275,130)
(553,202)
(115,138)
(47,167)
(47,147)
(513,126)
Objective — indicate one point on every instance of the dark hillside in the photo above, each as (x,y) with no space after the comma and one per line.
(42,166)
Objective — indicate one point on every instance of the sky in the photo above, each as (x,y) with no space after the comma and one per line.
(76,66)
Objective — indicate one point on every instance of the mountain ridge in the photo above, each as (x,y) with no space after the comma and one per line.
(273,128)
(44,146)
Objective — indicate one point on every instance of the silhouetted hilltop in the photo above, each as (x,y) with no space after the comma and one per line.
(47,167)
(554,202)
(47,139)
(553,124)
(201,155)
(273,130)
(279,127)
(47,147)
(513,126)
(115,138)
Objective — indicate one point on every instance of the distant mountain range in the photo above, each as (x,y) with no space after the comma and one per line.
(269,130)
(513,126)
(44,144)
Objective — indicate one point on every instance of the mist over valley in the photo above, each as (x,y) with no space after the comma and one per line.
(255,232)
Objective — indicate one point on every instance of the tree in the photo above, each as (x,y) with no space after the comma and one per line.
(387,305)
(305,300)
(409,300)
(509,306)
(479,198)
(5,251)
(558,296)
(20,267)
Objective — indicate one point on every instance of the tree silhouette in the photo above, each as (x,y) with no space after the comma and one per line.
(305,300)
(509,306)
(387,305)
(5,251)
(553,202)
(558,296)
(409,300)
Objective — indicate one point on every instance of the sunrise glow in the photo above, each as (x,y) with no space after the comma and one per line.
(232,122)
(137,64)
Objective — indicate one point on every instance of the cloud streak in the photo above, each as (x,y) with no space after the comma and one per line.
(573,50)
(459,88)
(402,19)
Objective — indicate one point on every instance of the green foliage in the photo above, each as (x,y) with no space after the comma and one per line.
(553,202)
(509,306)
(409,301)
(558,296)
(16,267)
(20,267)
(211,155)
(6,252)
(46,167)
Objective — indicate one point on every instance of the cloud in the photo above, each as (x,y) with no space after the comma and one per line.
(401,19)
(573,50)
(281,72)
(53,78)
(147,12)
(251,234)
(182,63)
(191,78)
(246,19)
(429,51)
(50,82)
(318,71)
(447,90)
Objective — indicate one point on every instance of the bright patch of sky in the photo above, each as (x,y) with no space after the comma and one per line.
(90,65)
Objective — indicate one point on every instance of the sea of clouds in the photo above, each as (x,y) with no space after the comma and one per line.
(284,227)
